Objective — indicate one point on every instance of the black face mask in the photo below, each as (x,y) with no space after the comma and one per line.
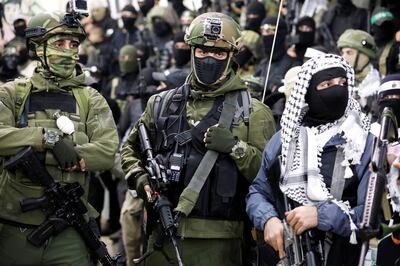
(10,63)
(279,50)
(383,34)
(394,104)
(253,24)
(161,28)
(327,105)
(181,56)
(129,23)
(306,39)
(20,30)
(209,69)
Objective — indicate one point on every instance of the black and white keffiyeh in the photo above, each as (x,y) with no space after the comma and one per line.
(302,146)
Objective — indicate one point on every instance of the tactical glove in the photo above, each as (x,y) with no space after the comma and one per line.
(65,154)
(137,181)
(220,139)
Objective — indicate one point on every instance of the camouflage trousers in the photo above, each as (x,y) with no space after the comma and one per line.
(67,248)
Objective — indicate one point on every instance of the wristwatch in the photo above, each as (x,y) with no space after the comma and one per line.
(50,137)
(239,150)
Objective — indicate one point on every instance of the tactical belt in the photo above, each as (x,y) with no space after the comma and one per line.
(189,196)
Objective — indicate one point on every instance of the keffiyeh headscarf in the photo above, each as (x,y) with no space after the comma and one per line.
(302,146)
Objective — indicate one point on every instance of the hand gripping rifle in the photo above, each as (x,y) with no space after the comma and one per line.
(162,205)
(63,200)
(298,249)
(369,226)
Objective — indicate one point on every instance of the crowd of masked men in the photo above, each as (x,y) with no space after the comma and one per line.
(144,53)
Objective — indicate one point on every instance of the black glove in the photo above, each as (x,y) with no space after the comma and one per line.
(220,139)
(65,154)
(137,181)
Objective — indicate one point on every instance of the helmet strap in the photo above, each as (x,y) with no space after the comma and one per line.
(356,71)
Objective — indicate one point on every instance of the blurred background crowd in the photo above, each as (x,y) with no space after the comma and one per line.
(137,48)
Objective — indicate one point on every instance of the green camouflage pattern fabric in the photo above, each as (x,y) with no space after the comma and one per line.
(53,25)
(128,59)
(61,62)
(95,137)
(359,40)
(227,34)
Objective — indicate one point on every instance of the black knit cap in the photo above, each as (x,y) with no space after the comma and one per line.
(326,74)
(256,7)
(308,21)
(129,8)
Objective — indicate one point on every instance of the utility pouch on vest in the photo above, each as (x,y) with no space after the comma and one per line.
(190,194)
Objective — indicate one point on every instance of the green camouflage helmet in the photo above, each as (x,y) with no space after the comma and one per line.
(359,40)
(214,29)
(45,25)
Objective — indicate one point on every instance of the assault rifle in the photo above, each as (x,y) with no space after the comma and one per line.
(161,204)
(369,226)
(299,250)
(63,200)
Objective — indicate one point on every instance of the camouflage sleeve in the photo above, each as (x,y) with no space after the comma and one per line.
(13,139)
(99,152)
(130,154)
(260,130)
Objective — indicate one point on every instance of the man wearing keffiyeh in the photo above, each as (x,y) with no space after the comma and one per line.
(319,160)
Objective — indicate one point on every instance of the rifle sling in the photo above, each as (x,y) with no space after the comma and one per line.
(337,187)
(189,196)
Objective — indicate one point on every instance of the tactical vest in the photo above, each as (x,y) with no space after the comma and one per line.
(180,146)
(36,109)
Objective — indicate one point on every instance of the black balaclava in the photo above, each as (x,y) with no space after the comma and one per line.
(329,104)
(258,9)
(383,33)
(161,28)
(394,90)
(393,59)
(181,56)
(129,23)
(208,69)
(19,27)
(9,65)
(280,48)
(306,39)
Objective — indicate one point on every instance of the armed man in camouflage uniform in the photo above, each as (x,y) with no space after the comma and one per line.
(210,229)
(27,118)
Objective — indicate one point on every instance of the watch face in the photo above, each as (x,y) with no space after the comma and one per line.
(239,152)
(51,137)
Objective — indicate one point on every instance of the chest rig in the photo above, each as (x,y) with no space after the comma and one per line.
(180,148)
(36,109)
